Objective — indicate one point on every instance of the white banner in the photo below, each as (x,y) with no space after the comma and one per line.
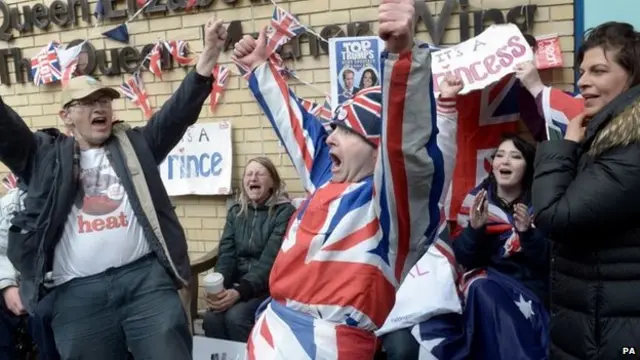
(216,349)
(482,60)
(433,277)
(201,163)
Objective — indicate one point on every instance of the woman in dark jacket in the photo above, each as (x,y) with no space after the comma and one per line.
(586,194)
(249,244)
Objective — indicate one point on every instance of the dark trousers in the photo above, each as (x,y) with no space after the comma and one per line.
(235,324)
(401,345)
(38,326)
(135,307)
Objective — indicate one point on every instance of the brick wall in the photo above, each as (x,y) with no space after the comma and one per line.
(203,217)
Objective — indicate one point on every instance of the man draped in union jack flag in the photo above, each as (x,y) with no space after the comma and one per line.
(373,184)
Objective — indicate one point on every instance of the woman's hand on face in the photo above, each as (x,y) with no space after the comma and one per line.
(576,129)
(521,217)
(479,212)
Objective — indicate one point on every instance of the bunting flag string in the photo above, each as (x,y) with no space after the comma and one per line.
(120,33)
(308,29)
(134,90)
(45,66)
(155,60)
(220,76)
(53,63)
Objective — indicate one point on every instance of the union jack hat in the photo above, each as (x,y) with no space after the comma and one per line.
(362,114)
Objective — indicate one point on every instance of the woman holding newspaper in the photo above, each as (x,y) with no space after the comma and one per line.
(586,191)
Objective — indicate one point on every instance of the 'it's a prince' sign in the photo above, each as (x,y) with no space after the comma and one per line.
(482,60)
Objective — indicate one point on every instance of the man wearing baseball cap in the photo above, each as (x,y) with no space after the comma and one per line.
(373,184)
(99,234)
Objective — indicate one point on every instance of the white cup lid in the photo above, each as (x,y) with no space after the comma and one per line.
(214,278)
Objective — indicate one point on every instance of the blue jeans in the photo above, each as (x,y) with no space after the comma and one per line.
(40,329)
(401,345)
(135,307)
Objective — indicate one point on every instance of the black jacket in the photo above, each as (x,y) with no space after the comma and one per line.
(44,160)
(474,248)
(587,196)
(249,245)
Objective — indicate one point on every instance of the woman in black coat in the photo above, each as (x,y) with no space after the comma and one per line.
(586,193)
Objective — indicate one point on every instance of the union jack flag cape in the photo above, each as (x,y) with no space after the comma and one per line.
(334,280)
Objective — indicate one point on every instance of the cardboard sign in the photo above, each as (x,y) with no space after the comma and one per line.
(482,60)
(548,52)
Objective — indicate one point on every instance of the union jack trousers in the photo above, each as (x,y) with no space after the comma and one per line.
(334,280)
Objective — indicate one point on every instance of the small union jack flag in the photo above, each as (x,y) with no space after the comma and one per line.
(220,74)
(155,61)
(283,69)
(179,50)
(323,113)
(244,70)
(45,67)
(10,181)
(283,28)
(134,90)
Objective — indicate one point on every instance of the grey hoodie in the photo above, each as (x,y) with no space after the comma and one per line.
(9,205)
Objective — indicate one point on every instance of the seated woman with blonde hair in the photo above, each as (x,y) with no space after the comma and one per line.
(249,244)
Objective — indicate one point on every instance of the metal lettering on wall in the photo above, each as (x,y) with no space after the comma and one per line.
(127,59)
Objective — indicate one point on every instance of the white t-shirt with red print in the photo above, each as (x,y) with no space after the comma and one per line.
(102,230)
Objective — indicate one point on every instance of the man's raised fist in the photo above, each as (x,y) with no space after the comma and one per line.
(396,24)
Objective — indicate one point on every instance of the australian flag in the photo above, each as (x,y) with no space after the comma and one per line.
(501,320)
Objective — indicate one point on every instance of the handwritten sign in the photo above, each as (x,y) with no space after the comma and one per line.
(548,52)
(482,60)
(201,162)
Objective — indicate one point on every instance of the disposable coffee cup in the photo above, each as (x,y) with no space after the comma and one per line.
(213,283)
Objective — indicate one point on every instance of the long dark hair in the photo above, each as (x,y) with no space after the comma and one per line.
(528,152)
